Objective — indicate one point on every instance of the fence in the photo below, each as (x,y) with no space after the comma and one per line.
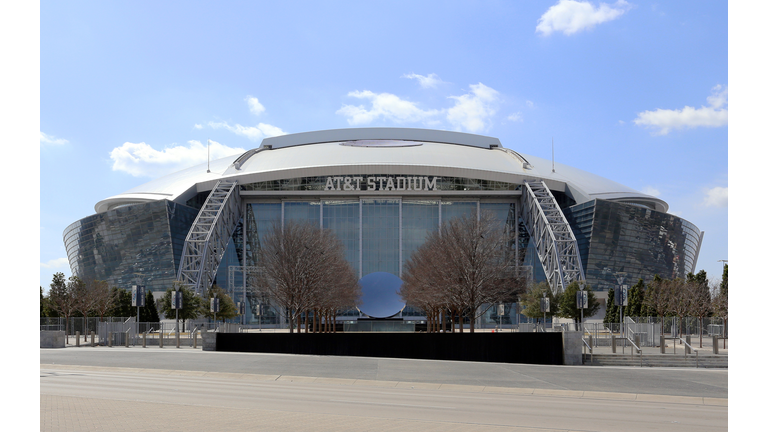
(649,329)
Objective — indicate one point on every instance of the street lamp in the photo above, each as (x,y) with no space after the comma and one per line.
(177,304)
(581,303)
(621,300)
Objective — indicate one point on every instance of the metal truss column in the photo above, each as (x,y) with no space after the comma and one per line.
(207,239)
(556,245)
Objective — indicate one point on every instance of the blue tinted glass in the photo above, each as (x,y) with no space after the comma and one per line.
(454,209)
(343,218)
(381,236)
(419,219)
(302,211)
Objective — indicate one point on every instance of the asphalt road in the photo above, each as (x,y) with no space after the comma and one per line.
(98,400)
(712,383)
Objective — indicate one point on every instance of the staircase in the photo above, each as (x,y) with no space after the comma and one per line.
(657,360)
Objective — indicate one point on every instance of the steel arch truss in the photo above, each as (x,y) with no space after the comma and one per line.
(555,243)
(207,239)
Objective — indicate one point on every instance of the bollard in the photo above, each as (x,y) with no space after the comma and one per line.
(662,343)
(194,339)
(126,339)
(178,340)
(144,340)
(715,349)
(688,342)
(93,342)
(161,338)
(110,339)
(77,338)
(613,343)
(637,342)
(590,344)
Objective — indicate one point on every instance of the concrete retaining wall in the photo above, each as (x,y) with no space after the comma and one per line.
(572,348)
(209,340)
(52,339)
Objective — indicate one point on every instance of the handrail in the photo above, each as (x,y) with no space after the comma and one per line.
(590,350)
(638,350)
(685,353)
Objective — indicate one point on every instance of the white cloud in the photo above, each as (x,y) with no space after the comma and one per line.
(516,117)
(383,105)
(717,197)
(254,133)
(650,190)
(529,104)
(56,263)
(141,160)
(713,115)
(429,81)
(473,111)
(198,126)
(569,16)
(254,105)
(50,139)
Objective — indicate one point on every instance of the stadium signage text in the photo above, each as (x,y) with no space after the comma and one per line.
(381,183)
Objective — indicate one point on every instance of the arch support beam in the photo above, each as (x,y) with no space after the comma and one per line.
(555,243)
(207,239)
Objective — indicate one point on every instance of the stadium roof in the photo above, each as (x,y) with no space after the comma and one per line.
(392,151)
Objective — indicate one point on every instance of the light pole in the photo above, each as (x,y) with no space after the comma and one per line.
(177,304)
(582,304)
(620,280)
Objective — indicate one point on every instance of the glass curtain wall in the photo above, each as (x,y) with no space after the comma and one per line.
(377,234)
(381,236)
(419,219)
(454,209)
(343,218)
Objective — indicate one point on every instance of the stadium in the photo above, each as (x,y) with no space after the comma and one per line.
(381,191)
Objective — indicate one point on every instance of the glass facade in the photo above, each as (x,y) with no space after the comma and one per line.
(618,240)
(141,242)
(380,236)
(145,241)
(419,219)
(380,182)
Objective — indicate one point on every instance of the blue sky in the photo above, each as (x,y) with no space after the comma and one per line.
(636,92)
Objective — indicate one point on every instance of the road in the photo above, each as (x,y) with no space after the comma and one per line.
(153,389)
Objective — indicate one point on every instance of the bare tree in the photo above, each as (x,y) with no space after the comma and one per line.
(466,265)
(85,299)
(658,297)
(104,298)
(700,303)
(720,304)
(299,262)
(62,299)
(680,301)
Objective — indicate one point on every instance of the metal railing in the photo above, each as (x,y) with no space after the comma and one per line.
(687,348)
(590,350)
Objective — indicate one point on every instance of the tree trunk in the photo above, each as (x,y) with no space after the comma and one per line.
(442,316)
(461,322)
